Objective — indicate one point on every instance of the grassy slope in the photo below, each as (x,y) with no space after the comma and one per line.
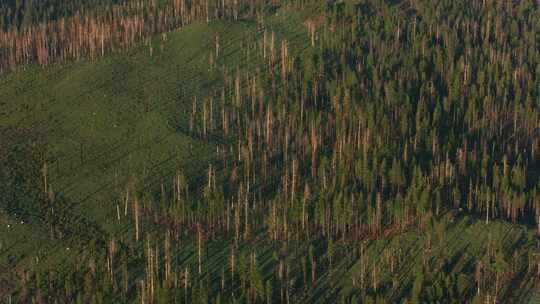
(121,116)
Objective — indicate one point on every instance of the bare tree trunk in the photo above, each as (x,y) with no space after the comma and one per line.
(199,247)
(136,220)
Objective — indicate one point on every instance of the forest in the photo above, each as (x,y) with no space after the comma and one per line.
(295,151)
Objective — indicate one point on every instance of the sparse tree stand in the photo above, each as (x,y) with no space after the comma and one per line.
(112,28)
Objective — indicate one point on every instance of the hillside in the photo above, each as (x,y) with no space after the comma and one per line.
(297,152)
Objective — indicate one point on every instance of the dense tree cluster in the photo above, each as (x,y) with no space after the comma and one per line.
(396,115)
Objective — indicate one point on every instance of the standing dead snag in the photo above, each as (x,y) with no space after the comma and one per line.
(142,291)
(186,280)
(110,258)
(126,201)
(264,44)
(246,213)
(168,257)
(304,201)
(45,184)
(232,260)
(312,258)
(284,59)
(199,247)
(217,46)
(204,118)
(117,211)
(294,178)
(237,91)
(478,275)
(272,51)
(314,145)
(192,117)
(136,213)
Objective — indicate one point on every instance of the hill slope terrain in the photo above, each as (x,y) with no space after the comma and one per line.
(297,152)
